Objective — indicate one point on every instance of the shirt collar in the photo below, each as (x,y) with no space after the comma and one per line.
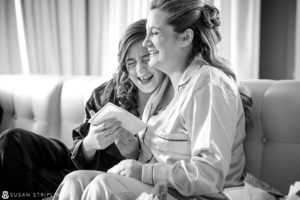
(188,73)
(154,99)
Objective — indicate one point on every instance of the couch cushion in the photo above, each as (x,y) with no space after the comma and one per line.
(51,106)
(273,142)
(31,102)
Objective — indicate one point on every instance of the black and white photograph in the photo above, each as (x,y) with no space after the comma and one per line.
(150,99)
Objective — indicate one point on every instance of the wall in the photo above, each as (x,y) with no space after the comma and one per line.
(297,48)
(278,35)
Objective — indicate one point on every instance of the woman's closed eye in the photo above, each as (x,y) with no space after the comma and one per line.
(146,58)
(130,64)
(154,32)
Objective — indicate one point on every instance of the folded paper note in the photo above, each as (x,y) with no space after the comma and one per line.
(294,192)
(128,121)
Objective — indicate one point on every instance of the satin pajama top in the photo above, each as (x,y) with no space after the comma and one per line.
(196,142)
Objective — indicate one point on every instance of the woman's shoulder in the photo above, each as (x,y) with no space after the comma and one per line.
(105,91)
(206,74)
(108,85)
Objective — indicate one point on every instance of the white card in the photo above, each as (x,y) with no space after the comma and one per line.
(128,121)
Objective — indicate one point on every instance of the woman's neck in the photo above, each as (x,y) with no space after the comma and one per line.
(176,70)
(167,97)
(175,78)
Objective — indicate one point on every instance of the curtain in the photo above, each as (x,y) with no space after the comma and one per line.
(107,21)
(240,31)
(79,36)
(55,34)
(297,45)
(10,60)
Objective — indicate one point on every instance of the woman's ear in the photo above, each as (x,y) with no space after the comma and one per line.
(187,37)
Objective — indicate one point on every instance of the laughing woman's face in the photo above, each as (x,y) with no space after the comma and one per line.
(162,42)
(145,78)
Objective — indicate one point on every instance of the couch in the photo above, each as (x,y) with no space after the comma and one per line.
(53,105)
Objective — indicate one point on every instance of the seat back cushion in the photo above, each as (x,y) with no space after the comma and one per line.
(31,102)
(273,142)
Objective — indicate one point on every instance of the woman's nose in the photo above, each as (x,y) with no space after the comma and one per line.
(141,68)
(146,42)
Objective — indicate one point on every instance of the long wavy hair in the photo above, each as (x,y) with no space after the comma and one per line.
(204,20)
(125,90)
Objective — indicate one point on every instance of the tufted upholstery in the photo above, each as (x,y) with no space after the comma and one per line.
(31,103)
(53,105)
(273,142)
(48,105)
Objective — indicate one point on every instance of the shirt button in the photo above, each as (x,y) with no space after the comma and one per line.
(263,139)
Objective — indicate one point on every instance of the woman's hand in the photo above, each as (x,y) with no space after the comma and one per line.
(129,168)
(146,196)
(127,143)
(100,136)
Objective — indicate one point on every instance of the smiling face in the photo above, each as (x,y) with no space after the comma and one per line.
(162,42)
(145,78)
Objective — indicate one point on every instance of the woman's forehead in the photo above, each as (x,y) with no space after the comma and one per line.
(137,49)
(157,19)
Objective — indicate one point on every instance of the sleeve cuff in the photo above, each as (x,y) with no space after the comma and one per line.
(147,174)
(133,155)
(153,173)
(76,156)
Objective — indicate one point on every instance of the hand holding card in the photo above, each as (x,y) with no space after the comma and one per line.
(130,122)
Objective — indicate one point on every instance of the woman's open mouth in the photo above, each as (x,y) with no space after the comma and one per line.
(145,79)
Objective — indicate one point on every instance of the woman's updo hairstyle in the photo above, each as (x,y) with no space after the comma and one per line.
(210,19)
(126,91)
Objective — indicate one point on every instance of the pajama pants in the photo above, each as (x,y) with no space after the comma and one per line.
(93,185)
(31,162)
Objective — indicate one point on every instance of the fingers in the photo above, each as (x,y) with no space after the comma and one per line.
(105,123)
(92,112)
(107,126)
(120,136)
(110,131)
(110,125)
(120,168)
(113,131)
(125,135)
(123,173)
(117,169)
(108,138)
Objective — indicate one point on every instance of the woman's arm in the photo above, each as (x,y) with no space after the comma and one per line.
(99,159)
(100,146)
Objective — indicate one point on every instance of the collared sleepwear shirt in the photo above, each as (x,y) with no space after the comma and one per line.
(196,142)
